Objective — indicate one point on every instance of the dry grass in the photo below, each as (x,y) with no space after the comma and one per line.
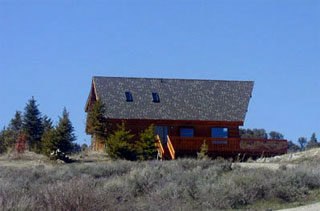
(172,185)
(90,156)
(294,158)
(27,159)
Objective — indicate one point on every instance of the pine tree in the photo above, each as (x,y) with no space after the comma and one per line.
(84,147)
(11,134)
(49,142)
(32,125)
(275,135)
(302,141)
(3,143)
(313,142)
(47,123)
(9,138)
(16,123)
(292,147)
(96,121)
(146,148)
(118,144)
(64,133)
(48,138)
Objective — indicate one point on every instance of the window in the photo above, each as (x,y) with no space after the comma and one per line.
(155,97)
(186,132)
(128,97)
(219,132)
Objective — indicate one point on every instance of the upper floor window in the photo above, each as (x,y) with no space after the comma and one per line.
(129,97)
(219,132)
(155,97)
(186,132)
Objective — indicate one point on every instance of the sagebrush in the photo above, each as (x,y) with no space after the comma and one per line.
(186,184)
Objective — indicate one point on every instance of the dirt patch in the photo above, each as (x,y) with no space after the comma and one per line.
(271,166)
(311,207)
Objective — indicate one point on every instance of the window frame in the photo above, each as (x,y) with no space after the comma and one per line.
(128,96)
(226,134)
(155,97)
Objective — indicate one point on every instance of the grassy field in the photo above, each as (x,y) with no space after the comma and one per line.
(187,184)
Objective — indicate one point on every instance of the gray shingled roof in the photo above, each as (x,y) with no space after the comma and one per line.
(180,99)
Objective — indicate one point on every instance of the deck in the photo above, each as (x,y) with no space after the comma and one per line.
(223,147)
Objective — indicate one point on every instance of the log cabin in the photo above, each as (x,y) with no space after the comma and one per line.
(185,114)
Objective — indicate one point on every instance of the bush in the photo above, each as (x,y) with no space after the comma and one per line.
(203,154)
(119,144)
(21,142)
(185,184)
(146,148)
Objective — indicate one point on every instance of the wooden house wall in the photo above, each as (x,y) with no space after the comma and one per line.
(201,128)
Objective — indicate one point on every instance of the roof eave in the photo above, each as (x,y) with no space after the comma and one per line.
(93,90)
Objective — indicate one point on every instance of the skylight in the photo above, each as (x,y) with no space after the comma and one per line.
(129,97)
(155,97)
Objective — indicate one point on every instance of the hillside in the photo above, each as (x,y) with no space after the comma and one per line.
(32,182)
(293,158)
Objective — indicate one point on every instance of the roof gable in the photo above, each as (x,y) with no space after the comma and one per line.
(179,99)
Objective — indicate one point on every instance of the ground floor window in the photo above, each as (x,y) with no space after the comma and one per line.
(186,132)
(219,132)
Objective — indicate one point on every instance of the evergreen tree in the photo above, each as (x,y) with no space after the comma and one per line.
(255,133)
(302,141)
(292,147)
(118,144)
(64,133)
(11,134)
(96,121)
(32,125)
(3,143)
(275,135)
(16,123)
(48,138)
(49,142)
(313,142)
(84,147)
(8,139)
(146,148)
(47,123)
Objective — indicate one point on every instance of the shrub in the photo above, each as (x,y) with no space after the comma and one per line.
(21,142)
(185,184)
(146,148)
(119,146)
(203,154)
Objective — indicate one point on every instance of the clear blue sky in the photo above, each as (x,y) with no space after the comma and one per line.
(51,50)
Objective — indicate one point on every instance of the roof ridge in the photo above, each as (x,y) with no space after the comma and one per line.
(180,79)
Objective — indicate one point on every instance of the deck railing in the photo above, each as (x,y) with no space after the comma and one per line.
(194,143)
(171,148)
(159,147)
(264,145)
(241,145)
